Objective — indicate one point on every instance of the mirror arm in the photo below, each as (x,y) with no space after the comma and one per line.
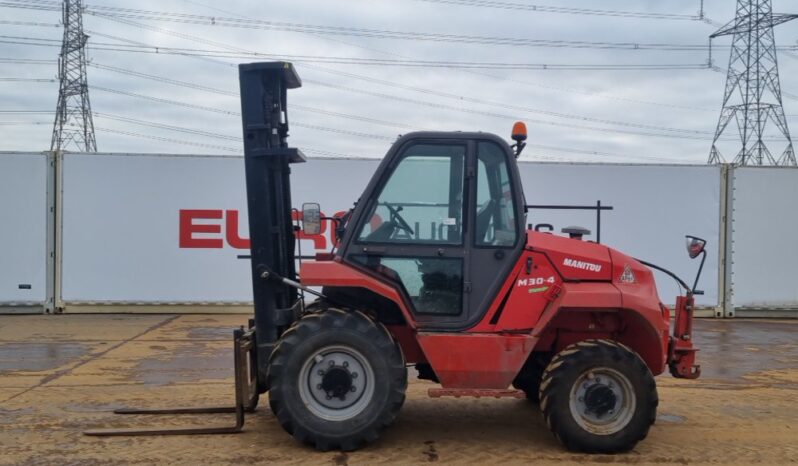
(518,148)
(667,272)
(700,268)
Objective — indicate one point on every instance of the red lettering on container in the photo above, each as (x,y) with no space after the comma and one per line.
(188,228)
(231,231)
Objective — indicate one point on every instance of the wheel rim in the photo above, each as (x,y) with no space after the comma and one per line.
(336,383)
(602,401)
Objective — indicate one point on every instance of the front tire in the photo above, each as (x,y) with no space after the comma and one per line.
(598,396)
(337,379)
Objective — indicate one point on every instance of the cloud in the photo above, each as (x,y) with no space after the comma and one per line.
(607,112)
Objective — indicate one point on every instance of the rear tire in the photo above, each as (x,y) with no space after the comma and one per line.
(598,396)
(337,379)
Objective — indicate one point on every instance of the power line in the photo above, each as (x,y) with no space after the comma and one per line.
(326,70)
(566,10)
(381,137)
(159,50)
(249,23)
(232,113)
(237,49)
(501,77)
(189,37)
(30,80)
(446,95)
(24,123)
(170,140)
(388,96)
(464,98)
(608,154)
(26,112)
(29,23)
(28,61)
(460,109)
(152,124)
(321,152)
(504,116)
(394,35)
(401,86)
(167,101)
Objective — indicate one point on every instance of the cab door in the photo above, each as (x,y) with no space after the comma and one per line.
(497,238)
(413,231)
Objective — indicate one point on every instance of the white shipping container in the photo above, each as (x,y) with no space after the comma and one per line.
(159,229)
(23,229)
(763,249)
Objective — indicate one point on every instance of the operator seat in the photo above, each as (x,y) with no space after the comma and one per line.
(382,233)
(484,216)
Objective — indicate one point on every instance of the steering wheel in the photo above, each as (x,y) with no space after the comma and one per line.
(397,218)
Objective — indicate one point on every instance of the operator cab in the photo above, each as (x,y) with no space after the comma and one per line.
(442,216)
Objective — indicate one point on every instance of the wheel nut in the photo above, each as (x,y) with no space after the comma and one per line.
(319,358)
(332,363)
(329,397)
(320,372)
(318,387)
(581,400)
(353,389)
(346,364)
(354,375)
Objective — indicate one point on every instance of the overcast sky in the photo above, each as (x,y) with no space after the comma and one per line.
(582,115)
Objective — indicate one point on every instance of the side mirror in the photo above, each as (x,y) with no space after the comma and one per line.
(311,218)
(695,246)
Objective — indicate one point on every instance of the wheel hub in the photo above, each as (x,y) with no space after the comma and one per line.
(336,383)
(600,399)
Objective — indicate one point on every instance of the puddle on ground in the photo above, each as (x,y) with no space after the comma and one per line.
(211,333)
(720,343)
(186,363)
(38,357)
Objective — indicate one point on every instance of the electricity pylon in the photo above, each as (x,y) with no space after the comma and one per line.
(753,93)
(73,125)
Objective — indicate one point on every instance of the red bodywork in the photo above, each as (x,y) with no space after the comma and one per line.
(561,291)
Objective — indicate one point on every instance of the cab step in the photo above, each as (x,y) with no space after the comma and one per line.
(475,393)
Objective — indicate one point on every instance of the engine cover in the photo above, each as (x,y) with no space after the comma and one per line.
(573,259)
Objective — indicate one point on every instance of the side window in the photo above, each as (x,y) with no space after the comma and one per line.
(496,224)
(422,201)
(434,285)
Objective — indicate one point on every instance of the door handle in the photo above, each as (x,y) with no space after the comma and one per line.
(499,254)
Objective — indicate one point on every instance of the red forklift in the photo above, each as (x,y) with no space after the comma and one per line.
(434,268)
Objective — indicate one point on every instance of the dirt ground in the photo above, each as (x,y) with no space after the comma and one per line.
(62,374)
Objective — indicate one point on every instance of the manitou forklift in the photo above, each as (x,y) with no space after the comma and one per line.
(434,268)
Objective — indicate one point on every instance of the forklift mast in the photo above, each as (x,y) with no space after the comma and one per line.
(267,157)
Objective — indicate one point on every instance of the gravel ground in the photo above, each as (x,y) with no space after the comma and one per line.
(62,374)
